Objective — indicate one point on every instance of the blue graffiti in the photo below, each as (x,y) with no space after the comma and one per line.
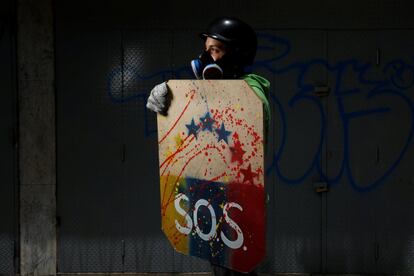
(397,77)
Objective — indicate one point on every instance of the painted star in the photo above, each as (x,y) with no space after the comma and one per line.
(223,134)
(192,128)
(248,174)
(237,152)
(207,122)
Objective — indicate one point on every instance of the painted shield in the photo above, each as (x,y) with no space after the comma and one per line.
(211,172)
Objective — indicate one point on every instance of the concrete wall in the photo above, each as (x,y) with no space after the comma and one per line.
(37,140)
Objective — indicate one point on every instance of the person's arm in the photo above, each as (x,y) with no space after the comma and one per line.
(261,88)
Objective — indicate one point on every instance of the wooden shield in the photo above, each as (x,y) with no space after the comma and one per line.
(211,172)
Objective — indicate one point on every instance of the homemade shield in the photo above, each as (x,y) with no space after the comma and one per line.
(211,172)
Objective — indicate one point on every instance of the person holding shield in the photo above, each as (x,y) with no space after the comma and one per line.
(230,47)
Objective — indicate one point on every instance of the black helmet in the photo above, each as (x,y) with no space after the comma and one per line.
(236,34)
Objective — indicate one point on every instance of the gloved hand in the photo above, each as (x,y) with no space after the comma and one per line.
(159,99)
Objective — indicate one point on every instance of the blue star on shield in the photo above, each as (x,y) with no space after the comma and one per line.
(223,133)
(192,128)
(207,122)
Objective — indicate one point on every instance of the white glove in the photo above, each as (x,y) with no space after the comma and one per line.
(158,99)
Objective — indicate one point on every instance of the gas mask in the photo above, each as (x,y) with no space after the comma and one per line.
(204,67)
(227,67)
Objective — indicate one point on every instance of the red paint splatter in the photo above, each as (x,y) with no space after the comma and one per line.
(190,158)
(179,149)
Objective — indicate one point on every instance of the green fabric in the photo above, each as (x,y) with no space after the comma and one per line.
(261,87)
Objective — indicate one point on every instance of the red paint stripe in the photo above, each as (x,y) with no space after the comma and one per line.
(165,188)
(179,149)
(179,117)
